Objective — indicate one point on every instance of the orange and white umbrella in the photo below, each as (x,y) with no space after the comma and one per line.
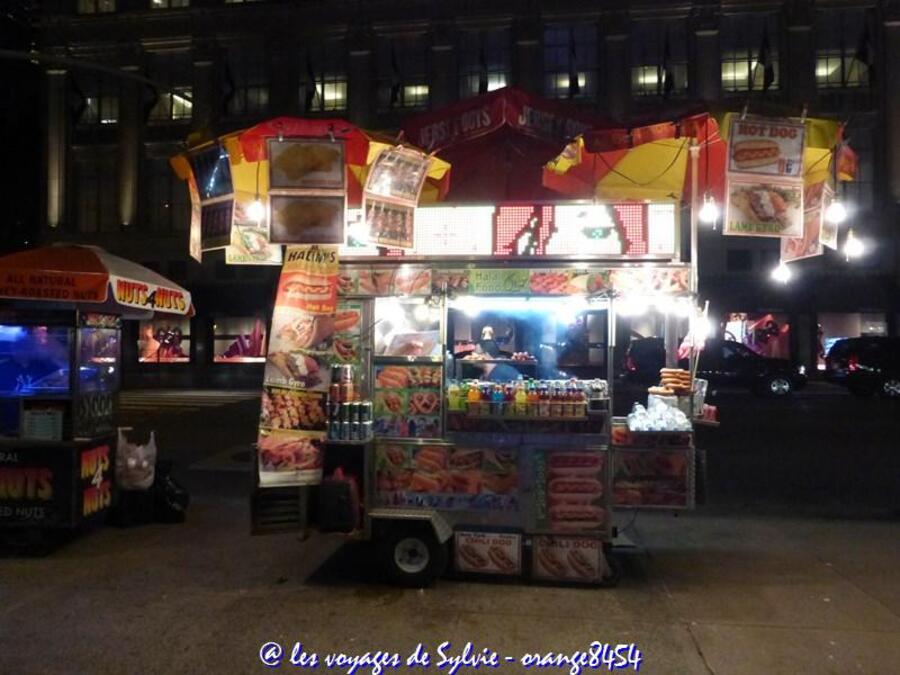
(88,275)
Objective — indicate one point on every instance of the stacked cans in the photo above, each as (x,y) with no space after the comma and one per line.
(349,419)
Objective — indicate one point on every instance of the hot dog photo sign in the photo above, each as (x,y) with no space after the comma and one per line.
(766,146)
(488,552)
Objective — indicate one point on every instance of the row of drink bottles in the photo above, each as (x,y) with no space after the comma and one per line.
(518,398)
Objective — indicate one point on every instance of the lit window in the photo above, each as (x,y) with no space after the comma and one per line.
(570,61)
(165,341)
(402,73)
(659,49)
(173,106)
(845,49)
(740,68)
(96,6)
(239,340)
(324,86)
(750,52)
(100,109)
(484,61)
(169,4)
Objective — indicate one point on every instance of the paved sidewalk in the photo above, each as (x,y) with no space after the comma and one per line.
(704,595)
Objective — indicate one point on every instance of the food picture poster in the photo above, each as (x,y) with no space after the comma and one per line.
(570,491)
(766,146)
(390,196)
(250,239)
(447,477)
(810,244)
(292,426)
(769,209)
(407,401)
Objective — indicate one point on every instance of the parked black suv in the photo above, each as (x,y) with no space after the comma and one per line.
(865,365)
(722,362)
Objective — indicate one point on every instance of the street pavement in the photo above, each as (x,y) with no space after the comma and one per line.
(793,566)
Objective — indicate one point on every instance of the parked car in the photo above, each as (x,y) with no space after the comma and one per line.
(865,365)
(722,362)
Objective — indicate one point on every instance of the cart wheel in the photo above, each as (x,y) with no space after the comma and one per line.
(412,556)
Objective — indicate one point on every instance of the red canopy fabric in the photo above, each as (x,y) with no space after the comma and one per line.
(499,142)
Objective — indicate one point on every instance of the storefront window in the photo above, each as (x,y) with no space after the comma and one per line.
(660,58)
(165,341)
(767,334)
(844,50)
(239,340)
(323,79)
(402,68)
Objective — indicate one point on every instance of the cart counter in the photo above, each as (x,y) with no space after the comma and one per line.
(52,484)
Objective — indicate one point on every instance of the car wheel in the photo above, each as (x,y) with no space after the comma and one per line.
(412,556)
(778,385)
(891,387)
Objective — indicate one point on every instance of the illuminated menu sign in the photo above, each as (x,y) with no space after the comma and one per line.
(629,229)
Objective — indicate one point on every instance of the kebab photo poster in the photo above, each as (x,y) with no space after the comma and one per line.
(391,193)
(764,189)
(292,425)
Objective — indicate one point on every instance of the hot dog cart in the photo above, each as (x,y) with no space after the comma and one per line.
(60,356)
(491,383)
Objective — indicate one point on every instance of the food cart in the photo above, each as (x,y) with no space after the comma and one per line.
(491,449)
(60,365)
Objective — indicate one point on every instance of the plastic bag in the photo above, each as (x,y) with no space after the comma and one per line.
(135,464)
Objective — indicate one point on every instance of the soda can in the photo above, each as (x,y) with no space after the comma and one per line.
(334,392)
(346,411)
(365,411)
(345,431)
(355,431)
(347,391)
(345,374)
(334,430)
(365,431)
(334,410)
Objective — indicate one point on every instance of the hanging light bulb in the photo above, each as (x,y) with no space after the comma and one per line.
(256,210)
(853,247)
(709,212)
(782,274)
(836,212)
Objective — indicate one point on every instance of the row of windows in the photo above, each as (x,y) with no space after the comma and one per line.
(107,6)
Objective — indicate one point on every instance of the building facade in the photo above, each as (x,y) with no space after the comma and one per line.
(220,65)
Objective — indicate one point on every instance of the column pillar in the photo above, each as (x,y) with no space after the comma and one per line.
(888,77)
(56,148)
(705,76)
(528,59)
(205,88)
(617,69)
(443,68)
(798,70)
(361,82)
(129,150)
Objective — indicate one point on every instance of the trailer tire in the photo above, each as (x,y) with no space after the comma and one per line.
(411,554)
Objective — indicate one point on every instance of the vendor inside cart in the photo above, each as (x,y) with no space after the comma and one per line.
(495,372)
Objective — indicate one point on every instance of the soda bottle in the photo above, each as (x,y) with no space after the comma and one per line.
(473,399)
(497,406)
(544,402)
(521,401)
(556,402)
(509,405)
(453,398)
(533,400)
(580,402)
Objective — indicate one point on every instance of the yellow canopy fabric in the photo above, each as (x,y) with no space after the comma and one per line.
(653,171)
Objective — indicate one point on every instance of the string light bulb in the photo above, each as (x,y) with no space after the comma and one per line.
(709,212)
(782,274)
(853,247)
(836,213)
